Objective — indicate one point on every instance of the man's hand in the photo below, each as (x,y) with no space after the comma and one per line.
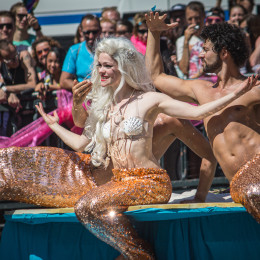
(190,31)
(42,89)
(14,102)
(80,91)
(3,96)
(33,22)
(156,22)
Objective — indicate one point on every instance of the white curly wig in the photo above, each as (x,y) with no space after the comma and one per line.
(131,65)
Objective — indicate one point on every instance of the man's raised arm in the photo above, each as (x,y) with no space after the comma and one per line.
(170,85)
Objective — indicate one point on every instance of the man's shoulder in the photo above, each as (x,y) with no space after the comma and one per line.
(76,47)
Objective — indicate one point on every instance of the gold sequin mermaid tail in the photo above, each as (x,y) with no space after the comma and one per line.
(44,176)
(245,187)
(101,209)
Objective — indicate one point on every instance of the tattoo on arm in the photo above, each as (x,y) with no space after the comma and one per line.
(27,57)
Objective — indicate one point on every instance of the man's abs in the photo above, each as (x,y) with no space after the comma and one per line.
(234,147)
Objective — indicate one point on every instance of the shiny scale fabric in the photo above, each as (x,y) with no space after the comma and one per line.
(245,187)
(101,209)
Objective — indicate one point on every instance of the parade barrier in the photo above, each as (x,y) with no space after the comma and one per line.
(176,231)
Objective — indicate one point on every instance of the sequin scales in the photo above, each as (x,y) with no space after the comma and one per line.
(245,187)
(101,210)
(44,176)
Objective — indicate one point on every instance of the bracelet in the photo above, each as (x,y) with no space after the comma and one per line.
(38,29)
(3,87)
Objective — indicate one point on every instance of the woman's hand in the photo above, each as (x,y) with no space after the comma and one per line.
(80,91)
(156,23)
(246,85)
(49,119)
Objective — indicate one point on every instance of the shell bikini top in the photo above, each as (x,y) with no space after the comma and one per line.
(133,128)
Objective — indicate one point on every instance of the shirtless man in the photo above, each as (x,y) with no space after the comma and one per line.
(234,131)
(166,130)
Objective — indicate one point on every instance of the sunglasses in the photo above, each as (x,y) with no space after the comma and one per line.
(121,32)
(7,25)
(142,31)
(21,16)
(40,52)
(211,20)
(94,32)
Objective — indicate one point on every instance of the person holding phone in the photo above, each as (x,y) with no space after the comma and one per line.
(23,21)
(195,15)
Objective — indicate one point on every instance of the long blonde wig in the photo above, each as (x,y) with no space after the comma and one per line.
(131,65)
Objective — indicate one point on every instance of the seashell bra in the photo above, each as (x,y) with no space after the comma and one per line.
(131,127)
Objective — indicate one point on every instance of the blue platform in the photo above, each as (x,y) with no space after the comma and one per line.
(208,232)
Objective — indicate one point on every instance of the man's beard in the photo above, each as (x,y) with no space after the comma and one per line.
(212,68)
(90,47)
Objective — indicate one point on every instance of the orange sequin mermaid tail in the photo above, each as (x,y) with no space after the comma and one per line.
(44,176)
(245,187)
(101,209)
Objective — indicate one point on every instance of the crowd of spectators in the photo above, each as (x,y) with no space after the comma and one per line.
(32,63)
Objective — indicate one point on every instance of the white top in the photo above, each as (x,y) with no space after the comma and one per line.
(180,42)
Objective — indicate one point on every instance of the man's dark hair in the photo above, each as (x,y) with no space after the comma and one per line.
(48,39)
(196,6)
(230,37)
(90,17)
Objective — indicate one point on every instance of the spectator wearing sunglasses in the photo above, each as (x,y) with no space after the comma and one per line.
(7,28)
(40,49)
(23,21)
(215,15)
(108,27)
(6,25)
(124,28)
(78,61)
(140,33)
(17,76)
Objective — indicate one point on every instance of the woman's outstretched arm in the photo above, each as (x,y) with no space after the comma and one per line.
(75,141)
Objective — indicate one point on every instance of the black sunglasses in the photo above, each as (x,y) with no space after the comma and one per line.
(211,20)
(90,31)
(7,25)
(21,16)
(142,31)
(39,52)
(121,32)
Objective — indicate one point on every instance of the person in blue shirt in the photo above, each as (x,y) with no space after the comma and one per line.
(79,59)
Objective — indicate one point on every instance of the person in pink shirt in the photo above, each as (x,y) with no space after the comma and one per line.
(140,33)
